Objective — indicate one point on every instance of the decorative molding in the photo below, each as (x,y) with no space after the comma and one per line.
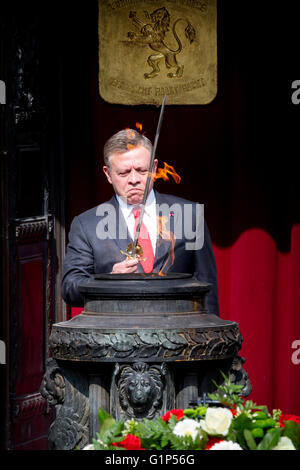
(33,229)
(147,345)
(31,405)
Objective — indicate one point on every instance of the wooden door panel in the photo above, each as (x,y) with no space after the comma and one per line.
(29,347)
(30,414)
(30,422)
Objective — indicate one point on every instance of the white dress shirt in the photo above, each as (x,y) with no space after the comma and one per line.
(149,218)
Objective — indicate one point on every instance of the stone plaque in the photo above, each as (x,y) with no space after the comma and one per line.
(151,48)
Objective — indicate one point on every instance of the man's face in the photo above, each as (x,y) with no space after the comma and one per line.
(128,173)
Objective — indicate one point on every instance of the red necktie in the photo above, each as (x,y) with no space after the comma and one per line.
(144,241)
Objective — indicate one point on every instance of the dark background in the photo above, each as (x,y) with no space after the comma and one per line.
(237,155)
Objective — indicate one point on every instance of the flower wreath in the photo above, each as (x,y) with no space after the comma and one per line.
(234,424)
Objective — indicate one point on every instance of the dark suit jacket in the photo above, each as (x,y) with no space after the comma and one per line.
(88,253)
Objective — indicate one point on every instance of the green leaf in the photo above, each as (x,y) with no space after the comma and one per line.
(250,439)
(172,422)
(153,434)
(270,440)
(164,441)
(238,425)
(103,415)
(181,442)
(113,434)
(201,440)
(115,448)
(106,421)
(99,445)
(241,422)
(227,393)
(190,412)
(195,412)
(292,430)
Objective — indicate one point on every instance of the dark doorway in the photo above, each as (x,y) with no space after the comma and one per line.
(32,216)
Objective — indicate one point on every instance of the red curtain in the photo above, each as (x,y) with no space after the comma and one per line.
(259,289)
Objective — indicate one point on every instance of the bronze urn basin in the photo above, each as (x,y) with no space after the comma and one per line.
(144,344)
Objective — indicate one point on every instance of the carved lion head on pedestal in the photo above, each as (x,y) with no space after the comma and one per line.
(140,389)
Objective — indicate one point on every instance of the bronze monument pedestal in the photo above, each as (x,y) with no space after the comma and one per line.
(143,345)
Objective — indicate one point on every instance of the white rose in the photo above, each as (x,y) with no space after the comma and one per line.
(284,443)
(226,445)
(217,421)
(89,447)
(186,427)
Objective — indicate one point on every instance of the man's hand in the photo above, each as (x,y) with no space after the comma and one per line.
(125,267)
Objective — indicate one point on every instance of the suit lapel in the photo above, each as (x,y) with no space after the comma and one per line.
(121,237)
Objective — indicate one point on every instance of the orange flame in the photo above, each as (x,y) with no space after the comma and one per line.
(166,235)
(139,126)
(163,173)
(130,135)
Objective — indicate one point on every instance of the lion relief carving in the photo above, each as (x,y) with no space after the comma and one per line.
(153,34)
(140,389)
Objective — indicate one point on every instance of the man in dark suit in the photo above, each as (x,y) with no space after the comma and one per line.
(177,237)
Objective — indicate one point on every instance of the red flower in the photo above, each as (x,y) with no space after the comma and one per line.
(178,413)
(233,411)
(131,442)
(284,417)
(212,441)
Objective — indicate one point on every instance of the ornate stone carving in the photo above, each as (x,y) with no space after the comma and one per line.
(239,376)
(53,384)
(152,360)
(148,345)
(68,390)
(138,390)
